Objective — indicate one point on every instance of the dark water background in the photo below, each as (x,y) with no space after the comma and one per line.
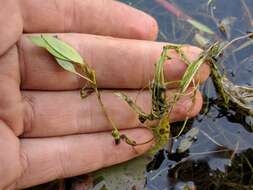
(228,129)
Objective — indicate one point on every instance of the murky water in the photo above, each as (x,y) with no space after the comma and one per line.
(220,133)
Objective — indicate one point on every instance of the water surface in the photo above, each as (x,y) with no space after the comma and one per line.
(219,131)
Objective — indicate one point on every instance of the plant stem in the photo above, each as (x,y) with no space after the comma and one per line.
(104,109)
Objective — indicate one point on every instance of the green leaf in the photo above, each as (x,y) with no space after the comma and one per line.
(244,45)
(68,66)
(210,2)
(63,49)
(201,27)
(201,40)
(190,73)
(37,40)
(40,41)
(57,48)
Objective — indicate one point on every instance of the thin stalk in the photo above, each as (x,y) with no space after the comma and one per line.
(247,11)
(233,41)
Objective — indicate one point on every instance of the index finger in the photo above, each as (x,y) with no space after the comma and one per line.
(119,63)
(102,17)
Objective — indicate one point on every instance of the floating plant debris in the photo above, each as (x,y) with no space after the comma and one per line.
(188,140)
(173,9)
(238,98)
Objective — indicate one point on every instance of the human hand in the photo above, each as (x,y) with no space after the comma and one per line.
(46,130)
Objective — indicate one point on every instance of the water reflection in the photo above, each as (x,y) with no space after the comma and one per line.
(223,134)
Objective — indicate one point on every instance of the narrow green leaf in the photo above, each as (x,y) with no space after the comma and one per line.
(68,66)
(210,2)
(63,49)
(244,45)
(40,41)
(200,26)
(201,40)
(37,40)
(190,73)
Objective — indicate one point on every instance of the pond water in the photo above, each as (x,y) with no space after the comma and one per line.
(222,134)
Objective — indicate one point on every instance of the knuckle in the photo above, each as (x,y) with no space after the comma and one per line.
(21,60)
(10,104)
(25,163)
(188,106)
(29,112)
(63,155)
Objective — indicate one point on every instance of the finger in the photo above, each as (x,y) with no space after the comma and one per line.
(11,106)
(64,113)
(103,17)
(10,166)
(11,28)
(53,158)
(118,63)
